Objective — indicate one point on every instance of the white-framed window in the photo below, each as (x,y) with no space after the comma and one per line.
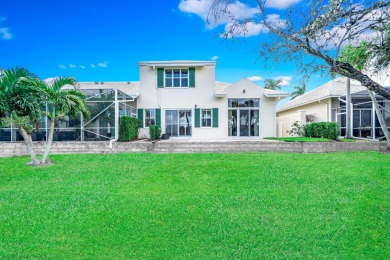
(150,117)
(206,118)
(176,78)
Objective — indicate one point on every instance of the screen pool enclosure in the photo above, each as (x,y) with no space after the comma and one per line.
(105,106)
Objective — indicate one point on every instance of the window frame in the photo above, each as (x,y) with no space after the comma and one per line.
(173,78)
(210,118)
(150,117)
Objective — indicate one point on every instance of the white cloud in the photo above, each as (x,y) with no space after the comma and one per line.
(255,78)
(72,66)
(214,58)
(252,28)
(201,8)
(239,11)
(102,64)
(93,66)
(286,80)
(330,39)
(5,34)
(281,4)
(82,66)
(62,66)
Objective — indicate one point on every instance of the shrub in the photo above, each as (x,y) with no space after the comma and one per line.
(328,130)
(128,128)
(296,129)
(154,132)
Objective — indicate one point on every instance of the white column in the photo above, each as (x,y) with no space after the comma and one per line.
(302,117)
(351,120)
(116,115)
(373,121)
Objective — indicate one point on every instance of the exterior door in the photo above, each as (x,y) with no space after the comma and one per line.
(243,122)
(178,122)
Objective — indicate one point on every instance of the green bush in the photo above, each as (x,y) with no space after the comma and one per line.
(328,130)
(128,128)
(154,132)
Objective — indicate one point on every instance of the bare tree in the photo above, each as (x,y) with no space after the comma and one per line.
(317,28)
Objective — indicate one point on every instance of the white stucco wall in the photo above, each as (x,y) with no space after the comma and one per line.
(322,110)
(267,105)
(203,96)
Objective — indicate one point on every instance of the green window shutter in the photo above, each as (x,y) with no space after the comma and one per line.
(192,77)
(158,117)
(160,77)
(215,117)
(197,117)
(141,117)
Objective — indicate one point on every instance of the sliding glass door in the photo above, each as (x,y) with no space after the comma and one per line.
(178,122)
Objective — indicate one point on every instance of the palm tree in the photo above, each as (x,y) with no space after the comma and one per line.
(298,91)
(272,84)
(61,102)
(20,103)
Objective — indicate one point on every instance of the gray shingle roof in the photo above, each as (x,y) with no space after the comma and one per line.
(333,88)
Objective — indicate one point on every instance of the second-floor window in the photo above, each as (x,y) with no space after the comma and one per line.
(176,78)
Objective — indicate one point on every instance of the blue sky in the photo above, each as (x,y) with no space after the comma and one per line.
(104,40)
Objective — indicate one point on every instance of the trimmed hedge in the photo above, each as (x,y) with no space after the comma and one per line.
(128,128)
(328,130)
(154,132)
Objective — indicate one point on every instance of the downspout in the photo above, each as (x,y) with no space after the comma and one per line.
(112,141)
(158,92)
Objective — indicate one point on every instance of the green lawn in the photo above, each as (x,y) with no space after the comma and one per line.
(197,206)
(299,139)
(307,139)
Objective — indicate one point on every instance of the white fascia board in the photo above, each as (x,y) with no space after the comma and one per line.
(277,95)
(307,102)
(176,63)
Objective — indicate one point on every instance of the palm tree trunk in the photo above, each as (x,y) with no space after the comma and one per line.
(380,117)
(49,141)
(30,145)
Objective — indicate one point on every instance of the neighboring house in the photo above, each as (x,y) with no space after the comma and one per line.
(327,104)
(186,101)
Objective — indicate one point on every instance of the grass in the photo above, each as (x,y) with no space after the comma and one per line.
(347,140)
(300,139)
(308,139)
(196,206)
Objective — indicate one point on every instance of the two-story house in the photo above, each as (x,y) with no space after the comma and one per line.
(186,101)
(180,96)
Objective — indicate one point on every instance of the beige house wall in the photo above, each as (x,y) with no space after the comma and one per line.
(322,110)
(203,97)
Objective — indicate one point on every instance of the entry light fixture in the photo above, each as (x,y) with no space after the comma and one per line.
(196,105)
(243,91)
